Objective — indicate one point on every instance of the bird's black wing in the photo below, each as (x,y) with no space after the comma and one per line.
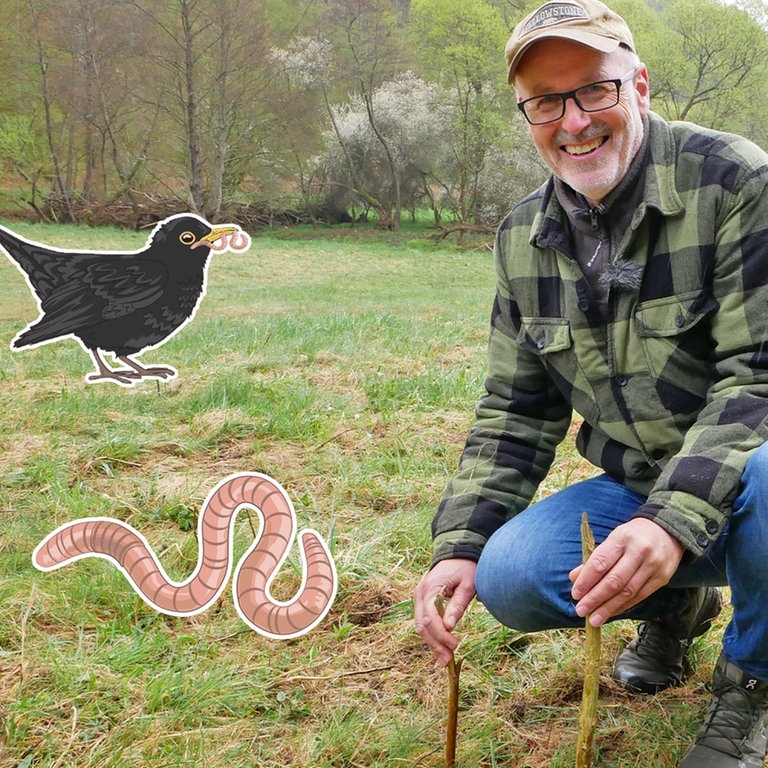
(108,288)
(125,284)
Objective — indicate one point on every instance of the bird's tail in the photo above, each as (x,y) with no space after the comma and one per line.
(29,337)
(44,266)
(14,247)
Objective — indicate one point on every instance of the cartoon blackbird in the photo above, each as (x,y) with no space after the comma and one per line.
(121,303)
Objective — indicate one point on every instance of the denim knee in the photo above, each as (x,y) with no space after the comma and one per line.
(502,598)
(518,591)
(522,576)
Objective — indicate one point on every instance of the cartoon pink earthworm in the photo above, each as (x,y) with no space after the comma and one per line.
(236,241)
(130,551)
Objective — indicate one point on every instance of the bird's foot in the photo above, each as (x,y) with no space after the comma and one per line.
(151,372)
(157,372)
(120,376)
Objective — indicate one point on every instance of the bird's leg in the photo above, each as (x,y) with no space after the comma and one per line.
(105,373)
(153,372)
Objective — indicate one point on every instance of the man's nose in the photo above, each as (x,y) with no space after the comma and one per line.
(575,118)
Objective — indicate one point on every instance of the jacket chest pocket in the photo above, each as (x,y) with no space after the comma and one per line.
(551,340)
(676,342)
(544,335)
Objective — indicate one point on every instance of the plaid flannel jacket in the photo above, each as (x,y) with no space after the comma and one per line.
(672,388)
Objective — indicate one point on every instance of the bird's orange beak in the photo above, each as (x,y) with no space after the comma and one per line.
(217,237)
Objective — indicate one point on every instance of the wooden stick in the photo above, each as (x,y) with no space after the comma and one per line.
(454,668)
(585,748)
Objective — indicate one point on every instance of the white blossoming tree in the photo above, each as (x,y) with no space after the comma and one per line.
(409,113)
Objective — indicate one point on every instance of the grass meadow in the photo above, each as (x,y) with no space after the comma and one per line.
(347,370)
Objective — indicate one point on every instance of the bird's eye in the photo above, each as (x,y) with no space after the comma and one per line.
(187,238)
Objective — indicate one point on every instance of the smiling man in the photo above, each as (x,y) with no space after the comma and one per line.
(632,290)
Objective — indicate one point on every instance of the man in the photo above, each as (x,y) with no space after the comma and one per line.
(632,289)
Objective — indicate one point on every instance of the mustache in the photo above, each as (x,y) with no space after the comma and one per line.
(588,134)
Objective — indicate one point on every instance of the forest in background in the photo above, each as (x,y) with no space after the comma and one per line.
(122,111)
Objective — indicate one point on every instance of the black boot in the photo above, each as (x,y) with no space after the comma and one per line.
(656,658)
(734,733)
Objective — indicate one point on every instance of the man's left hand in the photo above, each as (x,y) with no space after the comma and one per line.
(635,560)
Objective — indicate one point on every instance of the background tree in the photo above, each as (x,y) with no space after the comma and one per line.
(213,56)
(719,63)
(364,35)
(23,152)
(87,58)
(511,10)
(707,62)
(305,67)
(460,45)
(410,114)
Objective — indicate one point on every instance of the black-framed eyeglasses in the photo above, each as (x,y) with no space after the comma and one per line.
(593,97)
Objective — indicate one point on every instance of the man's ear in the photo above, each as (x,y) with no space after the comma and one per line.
(643,90)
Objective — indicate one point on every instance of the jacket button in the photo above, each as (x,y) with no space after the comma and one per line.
(583,304)
(712,527)
(621,380)
(680,321)
(541,343)
(702,540)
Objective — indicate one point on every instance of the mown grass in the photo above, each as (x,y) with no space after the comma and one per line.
(347,371)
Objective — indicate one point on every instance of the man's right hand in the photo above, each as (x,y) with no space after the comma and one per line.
(456,580)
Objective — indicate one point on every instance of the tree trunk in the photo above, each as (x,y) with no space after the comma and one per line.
(194,150)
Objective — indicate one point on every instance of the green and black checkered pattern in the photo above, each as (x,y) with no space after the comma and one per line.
(672,385)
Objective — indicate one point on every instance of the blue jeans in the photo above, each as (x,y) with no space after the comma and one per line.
(522,575)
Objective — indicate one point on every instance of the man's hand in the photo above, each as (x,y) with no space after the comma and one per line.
(456,579)
(635,560)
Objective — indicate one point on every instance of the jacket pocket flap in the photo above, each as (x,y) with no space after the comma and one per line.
(545,334)
(669,316)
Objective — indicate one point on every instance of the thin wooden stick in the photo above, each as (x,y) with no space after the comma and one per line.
(454,668)
(585,747)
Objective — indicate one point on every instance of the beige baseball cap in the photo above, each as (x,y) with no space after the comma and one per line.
(588,22)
